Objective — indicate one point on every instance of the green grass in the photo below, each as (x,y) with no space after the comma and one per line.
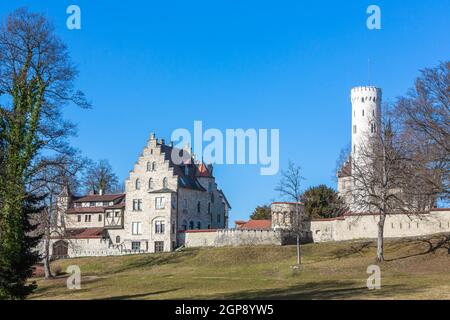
(415,269)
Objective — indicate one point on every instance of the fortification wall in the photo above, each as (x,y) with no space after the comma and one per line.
(352,227)
(229,237)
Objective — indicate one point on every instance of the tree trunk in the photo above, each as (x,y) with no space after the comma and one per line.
(380,240)
(47,270)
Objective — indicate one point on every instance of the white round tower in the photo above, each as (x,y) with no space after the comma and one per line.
(366,116)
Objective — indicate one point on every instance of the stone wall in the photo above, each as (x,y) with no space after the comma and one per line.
(352,227)
(229,237)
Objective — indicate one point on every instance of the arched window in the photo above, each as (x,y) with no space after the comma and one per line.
(199,225)
(138,184)
(184,225)
(149,166)
(198,207)
(165,183)
(150,183)
(118,239)
(153,166)
(191,225)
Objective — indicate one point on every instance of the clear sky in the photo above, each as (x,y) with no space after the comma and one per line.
(159,65)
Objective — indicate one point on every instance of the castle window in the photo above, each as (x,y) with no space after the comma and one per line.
(99,218)
(87,218)
(136,245)
(151,151)
(159,203)
(149,166)
(117,214)
(137,205)
(153,166)
(150,183)
(117,239)
(198,207)
(392,225)
(354,128)
(362,99)
(191,225)
(363,113)
(165,183)
(138,184)
(159,227)
(199,225)
(373,113)
(159,246)
(136,228)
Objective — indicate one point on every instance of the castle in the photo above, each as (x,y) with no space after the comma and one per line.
(161,200)
(166,206)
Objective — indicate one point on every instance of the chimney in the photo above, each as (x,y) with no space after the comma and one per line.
(100,192)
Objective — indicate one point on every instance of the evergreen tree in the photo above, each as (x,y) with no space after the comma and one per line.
(18,252)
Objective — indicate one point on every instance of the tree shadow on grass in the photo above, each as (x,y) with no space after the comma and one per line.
(140,295)
(433,245)
(357,248)
(150,260)
(324,290)
(58,285)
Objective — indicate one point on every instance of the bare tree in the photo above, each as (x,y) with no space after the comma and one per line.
(386,180)
(425,115)
(52,177)
(289,187)
(100,177)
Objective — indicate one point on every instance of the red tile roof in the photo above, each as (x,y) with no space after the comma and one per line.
(257,225)
(84,233)
(203,171)
(346,169)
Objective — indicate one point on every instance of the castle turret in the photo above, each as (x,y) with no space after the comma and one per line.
(366,116)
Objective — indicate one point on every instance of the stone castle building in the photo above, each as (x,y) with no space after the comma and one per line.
(161,200)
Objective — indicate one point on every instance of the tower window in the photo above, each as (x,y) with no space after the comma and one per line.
(150,183)
(363,113)
(165,183)
(138,184)
(354,128)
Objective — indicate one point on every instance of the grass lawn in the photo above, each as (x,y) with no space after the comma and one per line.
(415,269)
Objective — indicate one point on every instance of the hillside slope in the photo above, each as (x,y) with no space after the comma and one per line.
(416,269)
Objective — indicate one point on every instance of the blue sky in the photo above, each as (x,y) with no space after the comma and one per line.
(159,65)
